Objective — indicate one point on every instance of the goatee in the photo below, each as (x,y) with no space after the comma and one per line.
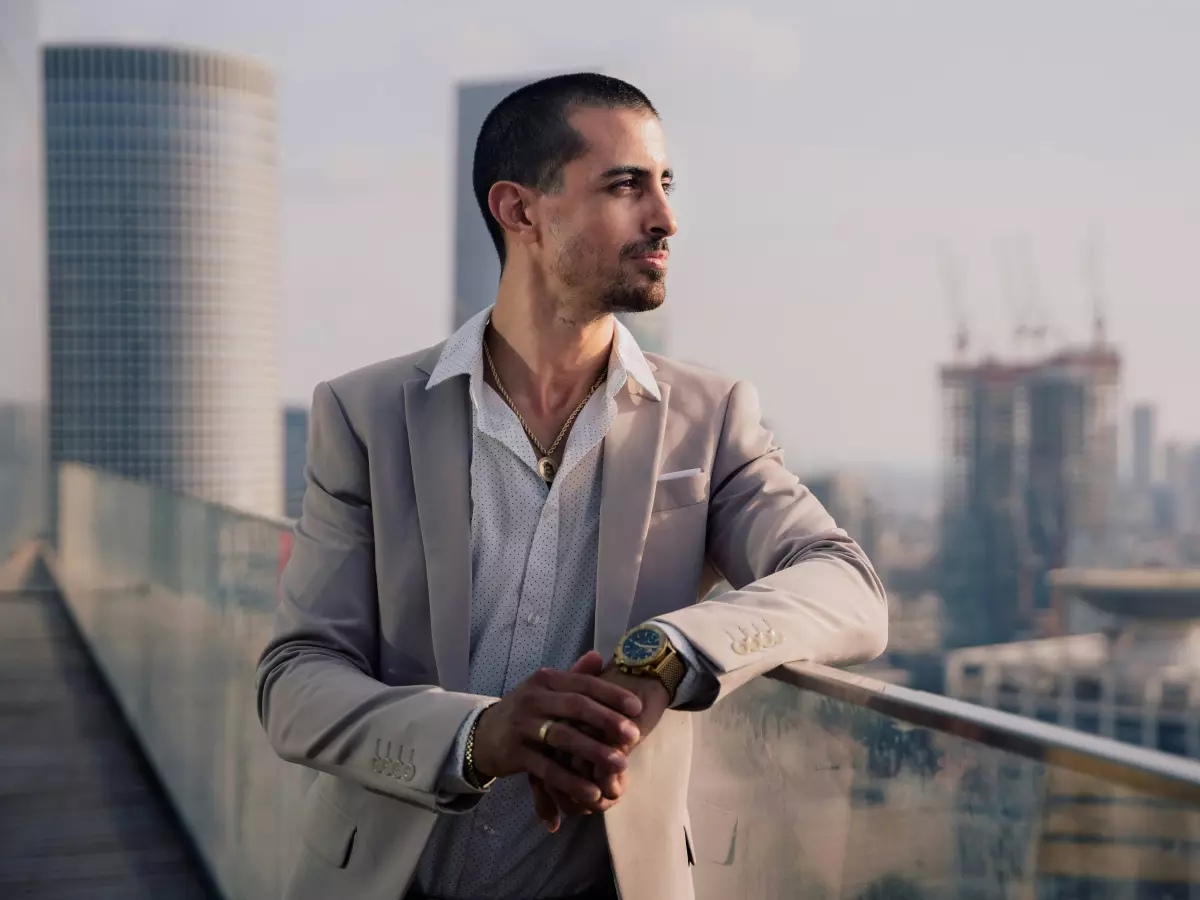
(636,298)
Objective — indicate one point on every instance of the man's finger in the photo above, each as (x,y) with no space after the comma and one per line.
(544,804)
(571,713)
(562,805)
(565,736)
(602,691)
(580,790)
(591,663)
(582,711)
(611,784)
(570,808)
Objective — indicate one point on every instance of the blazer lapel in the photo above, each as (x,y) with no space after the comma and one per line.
(631,454)
(439,440)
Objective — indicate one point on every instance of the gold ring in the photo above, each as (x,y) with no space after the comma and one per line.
(545,730)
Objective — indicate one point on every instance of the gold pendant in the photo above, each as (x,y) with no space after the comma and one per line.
(547,469)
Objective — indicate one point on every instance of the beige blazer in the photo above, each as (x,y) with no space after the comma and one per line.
(365,677)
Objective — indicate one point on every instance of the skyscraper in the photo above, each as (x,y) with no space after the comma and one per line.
(23,379)
(295,456)
(1182,482)
(476,265)
(161,169)
(1144,446)
(1192,495)
(1029,479)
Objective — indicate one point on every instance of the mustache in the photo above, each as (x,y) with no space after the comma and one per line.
(641,248)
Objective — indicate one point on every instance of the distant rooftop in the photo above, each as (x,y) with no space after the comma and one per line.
(1092,359)
(1172,594)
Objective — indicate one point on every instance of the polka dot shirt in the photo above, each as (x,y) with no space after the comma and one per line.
(534,553)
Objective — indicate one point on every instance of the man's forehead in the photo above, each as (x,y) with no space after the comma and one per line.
(620,137)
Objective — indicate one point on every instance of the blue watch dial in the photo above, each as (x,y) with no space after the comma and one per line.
(641,645)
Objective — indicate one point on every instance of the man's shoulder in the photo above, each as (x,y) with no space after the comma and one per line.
(379,387)
(387,374)
(691,381)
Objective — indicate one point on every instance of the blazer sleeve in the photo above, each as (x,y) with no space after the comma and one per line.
(319,699)
(803,590)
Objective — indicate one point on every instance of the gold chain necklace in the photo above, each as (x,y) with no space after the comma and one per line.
(545,465)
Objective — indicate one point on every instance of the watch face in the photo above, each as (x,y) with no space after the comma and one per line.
(642,645)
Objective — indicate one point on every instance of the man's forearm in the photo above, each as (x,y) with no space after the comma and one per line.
(331,716)
(700,685)
(821,610)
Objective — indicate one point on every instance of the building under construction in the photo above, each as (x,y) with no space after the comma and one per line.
(1030,478)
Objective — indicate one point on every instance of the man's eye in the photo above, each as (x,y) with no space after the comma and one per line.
(668,187)
(622,185)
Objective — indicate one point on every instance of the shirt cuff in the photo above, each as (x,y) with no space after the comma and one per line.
(453,780)
(700,686)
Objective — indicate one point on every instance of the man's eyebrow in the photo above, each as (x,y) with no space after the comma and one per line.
(635,171)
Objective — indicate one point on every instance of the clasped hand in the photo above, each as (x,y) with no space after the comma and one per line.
(599,716)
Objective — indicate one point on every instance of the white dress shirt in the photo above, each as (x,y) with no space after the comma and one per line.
(533,556)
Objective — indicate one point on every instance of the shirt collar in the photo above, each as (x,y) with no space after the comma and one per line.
(463,355)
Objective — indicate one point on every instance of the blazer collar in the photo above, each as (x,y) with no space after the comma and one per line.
(462,354)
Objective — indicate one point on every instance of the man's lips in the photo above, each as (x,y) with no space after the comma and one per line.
(658,259)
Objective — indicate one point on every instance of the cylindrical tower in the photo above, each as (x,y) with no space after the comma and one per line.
(162,214)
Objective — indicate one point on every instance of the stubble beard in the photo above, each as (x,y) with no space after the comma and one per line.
(603,293)
(623,296)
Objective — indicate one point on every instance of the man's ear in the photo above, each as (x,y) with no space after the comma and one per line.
(510,205)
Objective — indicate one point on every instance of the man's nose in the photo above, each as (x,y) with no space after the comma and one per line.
(661,221)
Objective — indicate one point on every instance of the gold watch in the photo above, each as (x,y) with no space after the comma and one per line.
(646,651)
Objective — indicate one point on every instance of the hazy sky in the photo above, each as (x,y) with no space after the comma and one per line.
(822,150)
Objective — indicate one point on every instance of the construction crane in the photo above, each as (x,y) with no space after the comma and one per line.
(1032,289)
(952,288)
(1012,290)
(1094,280)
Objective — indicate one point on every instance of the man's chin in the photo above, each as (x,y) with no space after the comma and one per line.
(637,301)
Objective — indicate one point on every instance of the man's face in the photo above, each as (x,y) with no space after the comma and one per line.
(606,240)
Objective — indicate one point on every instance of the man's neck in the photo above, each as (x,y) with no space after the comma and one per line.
(546,359)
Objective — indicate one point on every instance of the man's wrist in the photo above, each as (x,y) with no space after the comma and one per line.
(473,774)
(668,675)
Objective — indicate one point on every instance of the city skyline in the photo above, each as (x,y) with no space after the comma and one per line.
(876,138)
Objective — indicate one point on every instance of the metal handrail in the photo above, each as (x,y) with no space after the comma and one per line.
(1149,771)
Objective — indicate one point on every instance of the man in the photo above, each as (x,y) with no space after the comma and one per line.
(485,520)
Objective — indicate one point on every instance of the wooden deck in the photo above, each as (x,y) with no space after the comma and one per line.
(81,814)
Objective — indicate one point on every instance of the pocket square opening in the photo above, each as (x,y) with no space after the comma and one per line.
(683,473)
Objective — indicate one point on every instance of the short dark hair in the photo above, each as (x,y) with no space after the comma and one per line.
(526,138)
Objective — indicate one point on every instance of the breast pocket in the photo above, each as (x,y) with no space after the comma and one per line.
(673,493)
(673,556)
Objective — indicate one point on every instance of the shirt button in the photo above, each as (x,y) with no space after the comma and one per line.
(530,619)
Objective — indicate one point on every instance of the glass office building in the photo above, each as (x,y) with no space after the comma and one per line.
(163,269)
(295,457)
(23,376)
(476,266)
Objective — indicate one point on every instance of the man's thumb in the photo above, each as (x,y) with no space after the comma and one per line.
(591,663)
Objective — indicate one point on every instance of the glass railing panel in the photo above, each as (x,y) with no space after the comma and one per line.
(24,475)
(821,785)
(175,598)
(796,793)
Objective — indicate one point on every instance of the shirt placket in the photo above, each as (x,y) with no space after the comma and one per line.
(537,592)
